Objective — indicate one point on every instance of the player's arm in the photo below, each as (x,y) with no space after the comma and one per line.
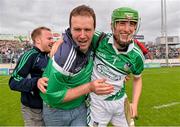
(20,81)
(137,84)
(42,82)
(55,46)
(64,95)
(97,86)
(137,88)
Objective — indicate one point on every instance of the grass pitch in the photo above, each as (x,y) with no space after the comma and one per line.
(160,100)
(10,114)
(159,103)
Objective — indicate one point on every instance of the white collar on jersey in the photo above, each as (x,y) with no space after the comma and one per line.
(111,41)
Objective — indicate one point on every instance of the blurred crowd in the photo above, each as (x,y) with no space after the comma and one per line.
(159,52)
(10,51)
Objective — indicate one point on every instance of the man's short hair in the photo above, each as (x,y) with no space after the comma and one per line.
(36,32)
(83,10)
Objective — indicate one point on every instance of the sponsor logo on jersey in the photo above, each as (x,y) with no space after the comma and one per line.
(107,72)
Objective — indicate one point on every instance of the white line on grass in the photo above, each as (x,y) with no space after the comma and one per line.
(166,105)
(162,72)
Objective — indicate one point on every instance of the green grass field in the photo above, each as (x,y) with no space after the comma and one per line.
(10,114)
(159,104)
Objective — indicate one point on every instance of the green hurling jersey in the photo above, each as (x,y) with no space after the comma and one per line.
(113,65)
(59,82)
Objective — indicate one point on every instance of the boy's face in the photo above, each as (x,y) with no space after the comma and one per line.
(123,32)
(82,30)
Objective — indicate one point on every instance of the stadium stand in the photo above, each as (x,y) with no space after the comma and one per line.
(159,52)
(10,50)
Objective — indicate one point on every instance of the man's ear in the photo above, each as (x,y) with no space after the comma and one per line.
(37,40)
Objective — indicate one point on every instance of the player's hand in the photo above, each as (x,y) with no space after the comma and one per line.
(55,46)
(42,84)
(134,112)
(127,78)
(100,87)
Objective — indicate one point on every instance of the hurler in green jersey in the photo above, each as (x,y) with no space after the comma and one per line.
(116,57)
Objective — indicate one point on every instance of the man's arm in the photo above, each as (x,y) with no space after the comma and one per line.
(137,88)
(97,86)
(55,46)
(20,81)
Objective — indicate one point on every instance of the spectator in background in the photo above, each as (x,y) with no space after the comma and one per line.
(28,70)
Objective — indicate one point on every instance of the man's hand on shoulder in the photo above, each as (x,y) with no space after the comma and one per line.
(56,44)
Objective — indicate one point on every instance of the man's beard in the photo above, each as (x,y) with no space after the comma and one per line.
(123,45)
